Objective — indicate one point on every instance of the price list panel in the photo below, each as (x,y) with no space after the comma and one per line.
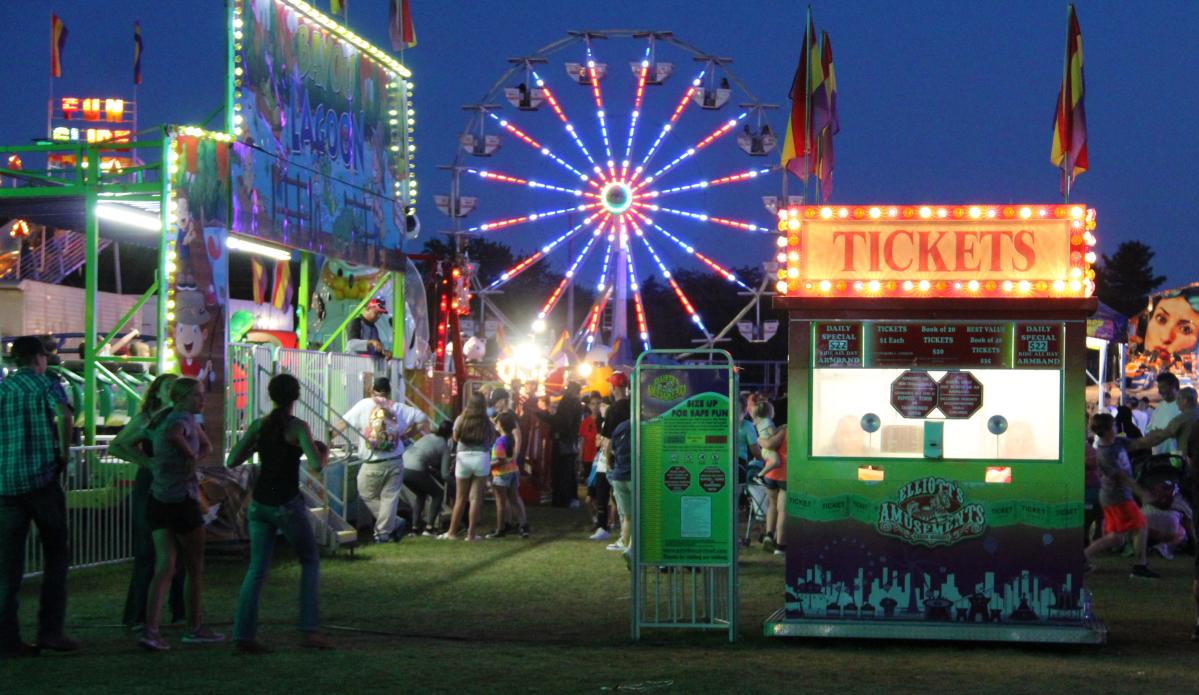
(930,345)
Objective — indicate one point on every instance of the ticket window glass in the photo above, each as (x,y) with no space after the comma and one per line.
(1029,400)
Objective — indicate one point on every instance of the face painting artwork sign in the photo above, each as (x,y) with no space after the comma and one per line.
(322,122)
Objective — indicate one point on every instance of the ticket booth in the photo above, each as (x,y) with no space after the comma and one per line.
(936,421)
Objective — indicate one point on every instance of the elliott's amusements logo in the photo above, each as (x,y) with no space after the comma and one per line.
(930,512)
(667,387)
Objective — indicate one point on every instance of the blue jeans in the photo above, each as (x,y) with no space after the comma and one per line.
(46,507)
(290,518)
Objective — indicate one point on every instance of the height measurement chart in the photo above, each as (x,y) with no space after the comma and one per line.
(685,467)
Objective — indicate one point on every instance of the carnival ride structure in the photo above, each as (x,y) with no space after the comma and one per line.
(613,189)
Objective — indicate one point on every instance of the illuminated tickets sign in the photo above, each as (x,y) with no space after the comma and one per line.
(322,123)
(925,251)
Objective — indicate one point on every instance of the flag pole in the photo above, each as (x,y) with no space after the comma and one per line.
(1067,168)
(807,104)
(50,99)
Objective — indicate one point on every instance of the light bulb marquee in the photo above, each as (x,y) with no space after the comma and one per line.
(932,251)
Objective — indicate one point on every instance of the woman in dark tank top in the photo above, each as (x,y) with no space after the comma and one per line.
(277,506)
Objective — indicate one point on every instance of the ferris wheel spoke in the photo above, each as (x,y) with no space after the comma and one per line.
(691,251)
(674,117)
(531,217)
(636,115)
(545,151)
(720,181)
(599,110)
(591,325)
(678,291)
(691,151)
(566,124)
(550,303)
(517,181)
(703,217)
(541,253)
(638,306)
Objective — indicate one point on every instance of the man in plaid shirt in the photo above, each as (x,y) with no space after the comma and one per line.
(35,438)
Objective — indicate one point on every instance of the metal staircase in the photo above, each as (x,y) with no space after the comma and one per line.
(60,255)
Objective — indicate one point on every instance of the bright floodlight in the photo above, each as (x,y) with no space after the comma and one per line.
(585,370)
(539,326)
(114,212)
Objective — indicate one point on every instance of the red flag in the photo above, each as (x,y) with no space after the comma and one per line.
(797,144)
(137,53)
(58,41)
(400,28)
(1069,150)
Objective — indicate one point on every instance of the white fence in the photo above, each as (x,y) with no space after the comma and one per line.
(99,514)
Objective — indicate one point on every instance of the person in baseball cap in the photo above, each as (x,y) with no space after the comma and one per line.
(618,380)
(363,335)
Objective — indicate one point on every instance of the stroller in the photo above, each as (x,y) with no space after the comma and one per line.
(754,494)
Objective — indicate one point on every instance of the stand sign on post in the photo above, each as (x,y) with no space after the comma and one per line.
(684,555)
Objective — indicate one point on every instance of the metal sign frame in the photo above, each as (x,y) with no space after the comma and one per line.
(684,596)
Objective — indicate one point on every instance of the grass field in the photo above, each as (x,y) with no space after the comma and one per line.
(550,614)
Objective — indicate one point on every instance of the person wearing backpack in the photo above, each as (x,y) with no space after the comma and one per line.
(382,424)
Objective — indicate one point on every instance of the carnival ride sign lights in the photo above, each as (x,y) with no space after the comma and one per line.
(324,125)
(936,251)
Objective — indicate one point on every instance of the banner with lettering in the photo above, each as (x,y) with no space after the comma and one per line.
(321,161)
(685,469)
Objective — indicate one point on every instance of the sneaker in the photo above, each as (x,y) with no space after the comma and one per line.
(617,546)
(154,642)
(768,543)
(249,646)
(498,534)
(600,534)
(1143,572)
(315,640)
(447,537)
(1163,549)
(428,534)
(202,635)
(524,531)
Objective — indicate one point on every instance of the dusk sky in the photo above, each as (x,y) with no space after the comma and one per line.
(940,102)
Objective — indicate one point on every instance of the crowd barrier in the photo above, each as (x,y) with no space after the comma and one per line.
(99,515)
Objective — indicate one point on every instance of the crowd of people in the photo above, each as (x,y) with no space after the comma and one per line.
(1141,473)
(1138,453)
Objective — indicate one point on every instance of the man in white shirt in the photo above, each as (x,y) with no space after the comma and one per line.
(382,424)
(1167,410)
(1140,412)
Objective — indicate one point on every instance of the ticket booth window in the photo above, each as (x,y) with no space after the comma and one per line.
(1029,401)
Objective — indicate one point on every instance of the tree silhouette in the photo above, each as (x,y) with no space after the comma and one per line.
(1125,279)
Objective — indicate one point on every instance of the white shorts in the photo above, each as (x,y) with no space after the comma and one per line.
(471,464)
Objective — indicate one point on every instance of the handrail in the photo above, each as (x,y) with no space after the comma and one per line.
(119,382)
(357,310)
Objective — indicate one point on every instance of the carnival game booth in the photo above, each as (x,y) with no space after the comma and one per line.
(936,422)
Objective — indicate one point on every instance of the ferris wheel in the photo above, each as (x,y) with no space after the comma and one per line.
(612,172)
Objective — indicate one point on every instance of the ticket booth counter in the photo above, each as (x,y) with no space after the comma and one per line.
(936,422)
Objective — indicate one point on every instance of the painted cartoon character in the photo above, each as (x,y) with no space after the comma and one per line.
(191,329)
